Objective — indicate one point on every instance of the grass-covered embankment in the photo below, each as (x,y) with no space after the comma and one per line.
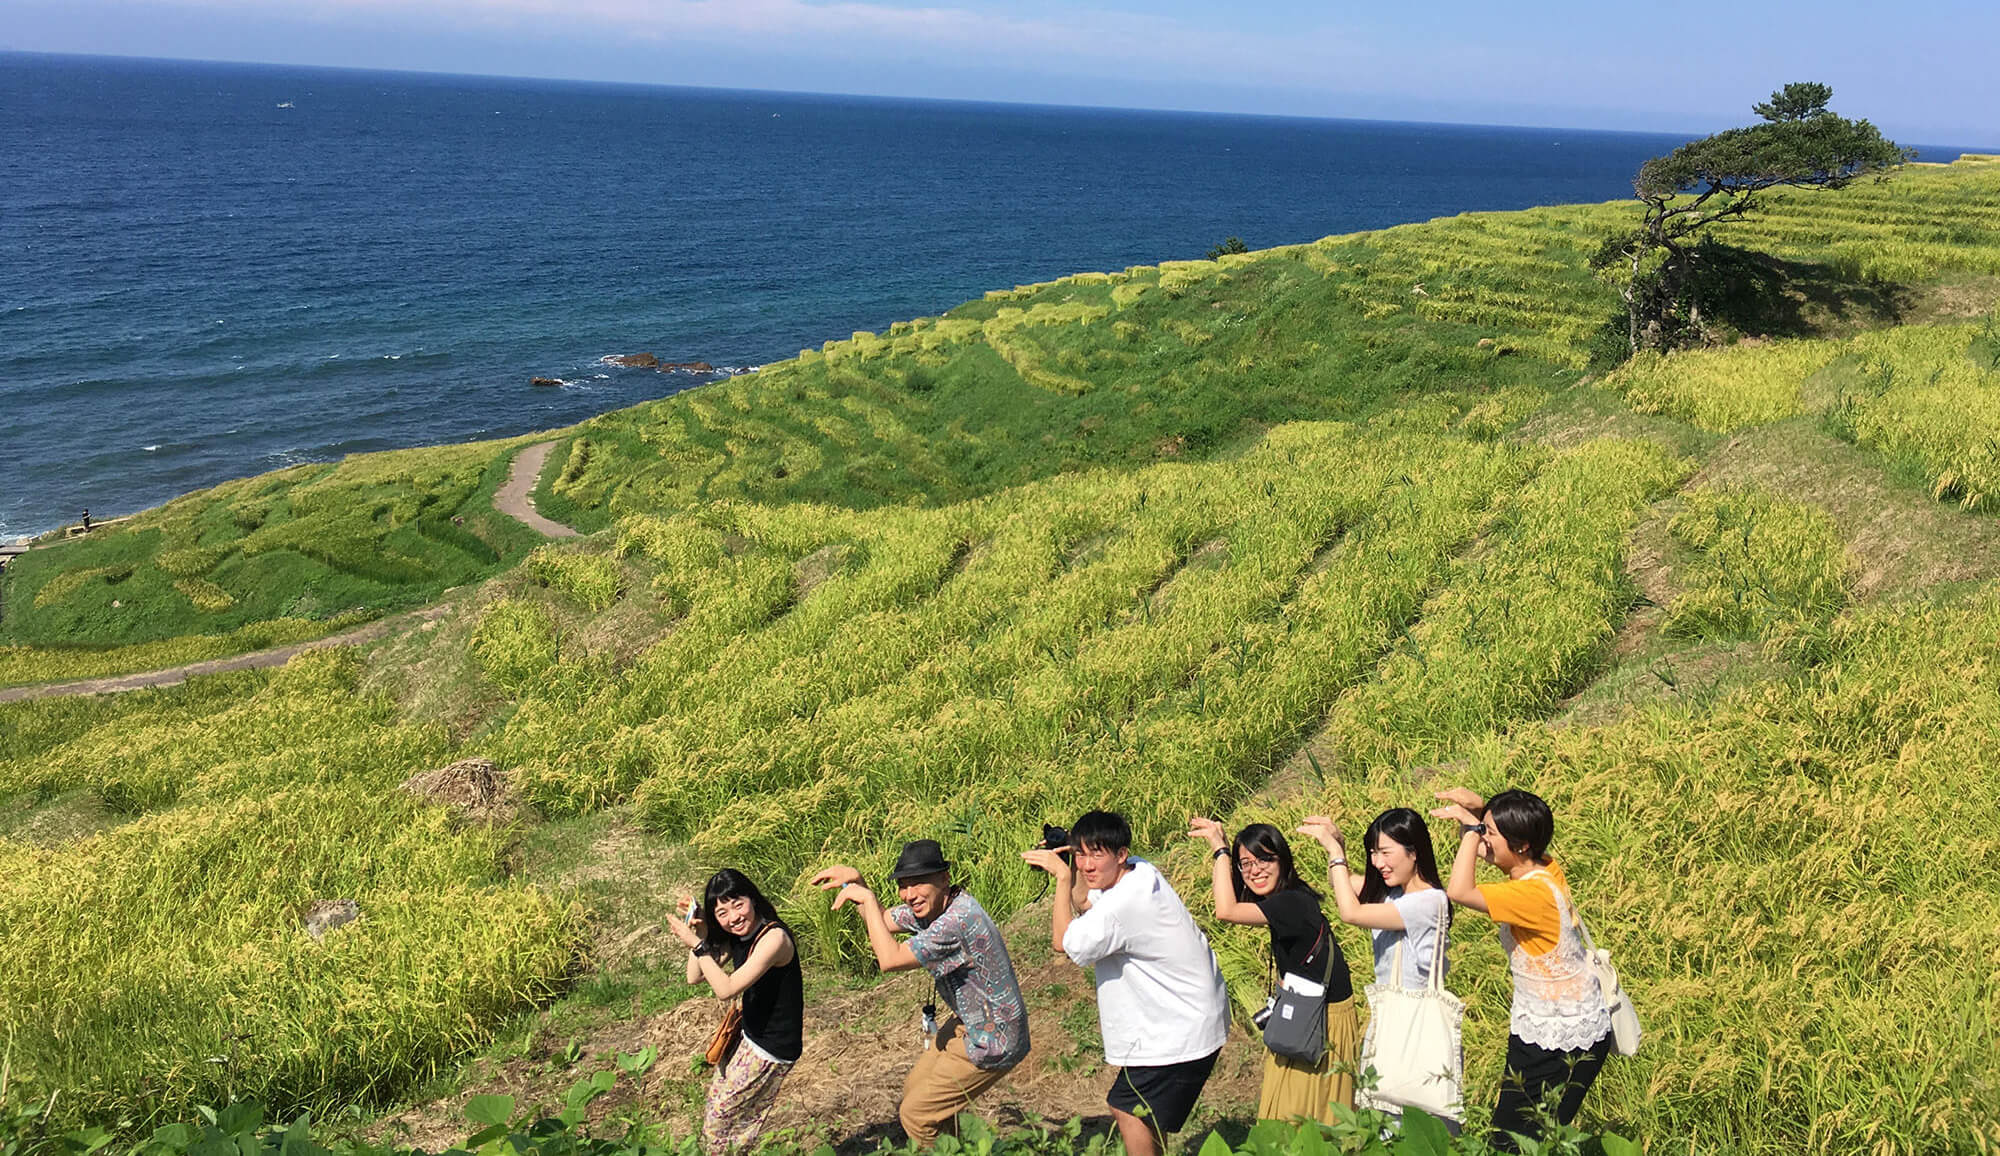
(260,562)
(841,604)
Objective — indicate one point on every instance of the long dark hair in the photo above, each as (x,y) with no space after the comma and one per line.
(1265,842)
(1408,828)
(729,883)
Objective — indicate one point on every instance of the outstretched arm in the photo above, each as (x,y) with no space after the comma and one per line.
(891,954)
(689,934)
(1066,901)
(771,951)
(1228,908)
(1346,885)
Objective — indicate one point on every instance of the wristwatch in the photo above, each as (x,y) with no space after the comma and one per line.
(700,949)
(1471,829)
(1219,853)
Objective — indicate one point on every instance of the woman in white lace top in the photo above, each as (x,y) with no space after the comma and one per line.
(1559,1031)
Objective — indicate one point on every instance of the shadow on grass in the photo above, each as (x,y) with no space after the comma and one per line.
(1761,295)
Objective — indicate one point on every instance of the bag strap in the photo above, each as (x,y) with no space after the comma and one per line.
(1438,948)
(1564,906)
(1325,929)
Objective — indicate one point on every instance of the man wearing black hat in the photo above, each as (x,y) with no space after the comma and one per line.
(953,938)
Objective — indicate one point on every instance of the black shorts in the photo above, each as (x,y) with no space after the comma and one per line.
(1163,1095)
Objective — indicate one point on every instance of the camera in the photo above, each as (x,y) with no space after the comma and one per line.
(1053,837)
(1263,1014)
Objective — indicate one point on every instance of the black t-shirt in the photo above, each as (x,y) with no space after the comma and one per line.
(1301,939)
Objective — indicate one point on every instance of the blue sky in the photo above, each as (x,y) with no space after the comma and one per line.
(1922,69)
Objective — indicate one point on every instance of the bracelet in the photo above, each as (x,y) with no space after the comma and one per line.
(1338,863)
(1219,853)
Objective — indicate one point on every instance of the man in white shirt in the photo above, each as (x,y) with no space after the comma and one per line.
(1161,1004)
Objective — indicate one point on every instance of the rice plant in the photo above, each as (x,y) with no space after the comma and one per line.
(1762,566)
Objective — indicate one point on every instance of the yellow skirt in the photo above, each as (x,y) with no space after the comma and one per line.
(1293,1089)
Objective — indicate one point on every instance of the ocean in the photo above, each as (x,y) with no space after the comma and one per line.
(208,271)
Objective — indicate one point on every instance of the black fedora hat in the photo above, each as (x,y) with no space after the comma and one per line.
(919,857)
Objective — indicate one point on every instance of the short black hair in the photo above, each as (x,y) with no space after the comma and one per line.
(1525,821)
(1101,831)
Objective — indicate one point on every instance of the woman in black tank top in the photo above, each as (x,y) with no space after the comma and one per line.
(736,922)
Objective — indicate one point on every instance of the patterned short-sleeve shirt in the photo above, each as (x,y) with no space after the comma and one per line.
(964,953)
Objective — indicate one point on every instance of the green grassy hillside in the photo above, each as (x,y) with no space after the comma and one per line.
(260,562)
(1325,527)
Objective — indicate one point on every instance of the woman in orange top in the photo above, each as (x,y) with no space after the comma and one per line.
(1558,1030)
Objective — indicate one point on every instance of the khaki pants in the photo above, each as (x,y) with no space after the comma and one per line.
(942,1085)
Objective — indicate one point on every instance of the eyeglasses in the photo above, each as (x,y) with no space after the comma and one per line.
(1250,863)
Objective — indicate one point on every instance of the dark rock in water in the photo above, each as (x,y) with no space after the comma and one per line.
(689,366)
(545,381)
(323,915)
(637,361)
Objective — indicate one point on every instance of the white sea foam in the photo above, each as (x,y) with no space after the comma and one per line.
(151,449)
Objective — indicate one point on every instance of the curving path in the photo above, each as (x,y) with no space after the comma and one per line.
(513,498)
(255,660)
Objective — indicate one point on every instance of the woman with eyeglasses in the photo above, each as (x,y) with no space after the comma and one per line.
(1255,882)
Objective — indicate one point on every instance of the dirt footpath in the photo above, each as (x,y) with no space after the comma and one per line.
(256,660)
(513,498)
(859,1044)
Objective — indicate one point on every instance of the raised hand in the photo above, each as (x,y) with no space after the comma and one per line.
(838,875)
(682,930)
(1210,830)
(844,882)
(1326,831)
(1048,859)
(1472,802)
(1455,811)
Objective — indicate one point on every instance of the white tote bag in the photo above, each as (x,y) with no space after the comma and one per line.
(1413,1042)
(1625,1029)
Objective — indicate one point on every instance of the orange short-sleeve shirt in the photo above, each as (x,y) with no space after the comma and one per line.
(1527,906)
